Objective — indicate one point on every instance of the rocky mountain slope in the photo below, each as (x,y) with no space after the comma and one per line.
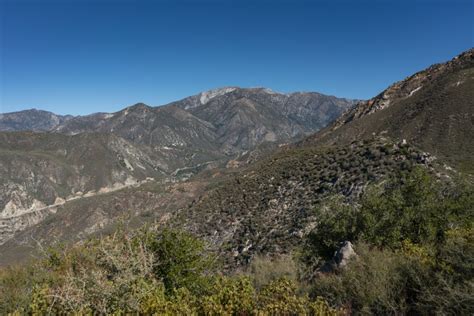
(180,138)
(433,109)
(91,215)
(244,118)
(229,120)
(41,170)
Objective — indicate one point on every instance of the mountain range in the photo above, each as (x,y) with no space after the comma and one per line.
(242,168)
(47,160)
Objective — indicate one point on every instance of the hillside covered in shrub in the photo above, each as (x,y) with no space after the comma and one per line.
(268,208)
(414,255)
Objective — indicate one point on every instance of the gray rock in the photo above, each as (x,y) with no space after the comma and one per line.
(344,254)
(341,258)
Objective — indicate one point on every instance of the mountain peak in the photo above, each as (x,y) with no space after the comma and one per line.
(206,96)
(139,105)
(136,108)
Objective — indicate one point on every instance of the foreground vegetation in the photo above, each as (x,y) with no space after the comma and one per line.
(415,244)
(415,255)
(165,273)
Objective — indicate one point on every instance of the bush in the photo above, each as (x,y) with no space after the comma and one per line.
(451,284)
(280,297)
(230,296)
(181,260)
(110,274)
(16,285)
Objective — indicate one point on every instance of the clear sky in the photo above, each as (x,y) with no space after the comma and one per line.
(79,56)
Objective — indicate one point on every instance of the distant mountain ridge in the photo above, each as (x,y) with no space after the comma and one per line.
(210,126)
(61,158)
(243,118)
(40,120)
(31,120)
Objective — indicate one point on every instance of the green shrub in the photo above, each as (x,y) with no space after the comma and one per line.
(415,246)
(414,208)
(126,273)
(15,288)
(450,288)
(397,282)
(279,297)
(230,296)
(181,260)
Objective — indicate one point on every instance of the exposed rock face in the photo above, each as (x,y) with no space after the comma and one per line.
(39,171)
(208,95)
(408,87)
(81,217)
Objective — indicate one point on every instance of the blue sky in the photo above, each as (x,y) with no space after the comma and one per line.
(79,56)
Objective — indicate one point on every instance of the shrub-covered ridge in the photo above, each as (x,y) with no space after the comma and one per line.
(268,208)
